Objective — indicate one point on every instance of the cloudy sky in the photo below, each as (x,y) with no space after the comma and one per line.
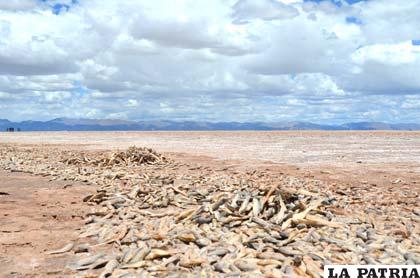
(330,61)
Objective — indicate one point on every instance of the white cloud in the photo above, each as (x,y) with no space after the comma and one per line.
(209,60)
(390,21)
(388,54)
(133,103)
(17,4)
(245,10)
(386,69)
(411,103)
(5,96)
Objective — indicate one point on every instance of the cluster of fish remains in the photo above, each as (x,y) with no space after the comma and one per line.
(154,217)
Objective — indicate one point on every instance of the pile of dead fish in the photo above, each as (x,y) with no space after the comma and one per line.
(186,230)
(167,220)
(163,226)
(132,156)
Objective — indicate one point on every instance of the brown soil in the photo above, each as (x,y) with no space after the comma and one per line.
(36,216)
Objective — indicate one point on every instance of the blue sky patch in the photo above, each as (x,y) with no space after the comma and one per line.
(354,1)
(338,3)
(353,20)
(58,8)
(79,89)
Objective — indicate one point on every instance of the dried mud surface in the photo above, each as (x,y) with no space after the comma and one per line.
(37,215)
(374,176)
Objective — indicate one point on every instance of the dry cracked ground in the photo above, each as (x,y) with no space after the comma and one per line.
(216,204)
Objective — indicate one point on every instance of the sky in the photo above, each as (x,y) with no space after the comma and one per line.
(330,61)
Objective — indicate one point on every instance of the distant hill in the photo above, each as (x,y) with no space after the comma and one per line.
(66,124)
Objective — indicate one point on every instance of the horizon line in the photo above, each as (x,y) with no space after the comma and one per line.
(215,122)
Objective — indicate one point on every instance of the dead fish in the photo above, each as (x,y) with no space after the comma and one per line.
(203,220)
(266,262)
(109,268)
(246,264)
(234,203)
(81,248)
(191,262)
(256,207)
(244,204)
(288,251)
(89,220)
(264,224)
(280,215)
(99,263)
(313,220)
(312,268)
(219,203)
(201,242)
(128,255)
(221,267)
(230,219)
(219,252)
(158,253)
(139,264)
(86,262)
(65,249)
(369,260)
(170,260)
(273,272)
(186,237)
(271,256)
(413,257)
(185,214)
(140,255)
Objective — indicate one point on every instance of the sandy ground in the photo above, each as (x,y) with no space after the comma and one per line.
(39,215)
(36,216)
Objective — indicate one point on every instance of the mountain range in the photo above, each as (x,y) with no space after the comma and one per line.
(68,124)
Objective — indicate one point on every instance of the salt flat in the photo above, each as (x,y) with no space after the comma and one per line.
(374,156)
(295,147)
